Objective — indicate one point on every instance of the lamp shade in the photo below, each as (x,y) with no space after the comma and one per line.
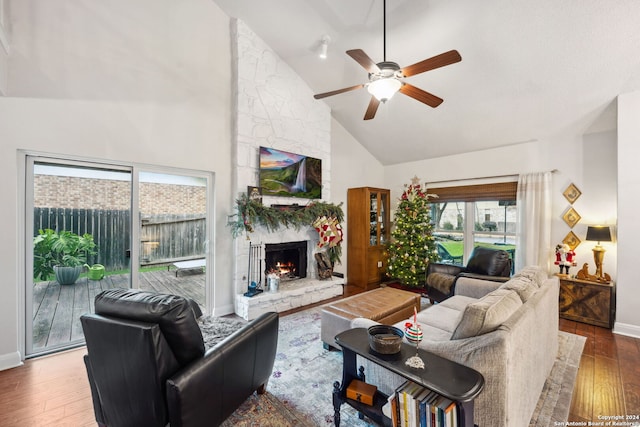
(599,234)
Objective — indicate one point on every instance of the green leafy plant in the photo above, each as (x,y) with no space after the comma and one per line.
(64,249)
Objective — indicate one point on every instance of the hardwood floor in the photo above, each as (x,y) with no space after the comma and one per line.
(608,382)
(54,391)
(48,391)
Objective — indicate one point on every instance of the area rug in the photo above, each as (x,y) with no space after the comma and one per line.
(299,391)
(304,374)
(263,410)
(555,400)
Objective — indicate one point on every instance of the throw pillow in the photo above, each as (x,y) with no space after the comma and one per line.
(534,273)
(486,314)
(525,288)
(216,329)
(441,281)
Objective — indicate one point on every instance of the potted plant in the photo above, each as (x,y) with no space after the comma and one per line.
(62,253)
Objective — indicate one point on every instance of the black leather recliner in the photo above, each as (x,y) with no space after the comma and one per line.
(147,364)
(484,263)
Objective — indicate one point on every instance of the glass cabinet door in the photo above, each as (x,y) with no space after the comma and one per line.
(373,219)
(378,218)
(383,218)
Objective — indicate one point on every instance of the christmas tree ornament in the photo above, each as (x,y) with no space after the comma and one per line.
(414,335)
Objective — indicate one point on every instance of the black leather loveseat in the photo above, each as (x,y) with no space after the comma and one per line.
(147,364)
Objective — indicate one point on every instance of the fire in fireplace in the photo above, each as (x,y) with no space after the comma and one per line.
(287,260)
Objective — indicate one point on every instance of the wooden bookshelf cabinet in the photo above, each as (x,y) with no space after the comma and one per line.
(587,302)
(449,379)
(368,224)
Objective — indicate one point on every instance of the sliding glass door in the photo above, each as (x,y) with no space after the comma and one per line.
(68,205)
(120,227)
(172,227)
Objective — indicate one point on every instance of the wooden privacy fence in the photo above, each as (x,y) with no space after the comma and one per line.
(169,238)
(163,238)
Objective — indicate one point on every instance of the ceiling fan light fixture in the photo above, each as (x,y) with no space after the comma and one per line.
(383,89)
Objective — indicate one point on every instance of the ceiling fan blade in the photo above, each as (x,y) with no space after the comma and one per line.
(337,92)
(372,108)
(421,95)
(364,60)
(432,63)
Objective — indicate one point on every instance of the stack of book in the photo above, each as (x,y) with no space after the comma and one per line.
(415,406)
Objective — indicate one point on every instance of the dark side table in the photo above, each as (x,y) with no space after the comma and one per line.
(450,379)
(587,302)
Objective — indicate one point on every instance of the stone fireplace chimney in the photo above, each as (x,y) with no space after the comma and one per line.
(275,108)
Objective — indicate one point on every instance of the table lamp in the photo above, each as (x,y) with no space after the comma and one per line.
(598,234)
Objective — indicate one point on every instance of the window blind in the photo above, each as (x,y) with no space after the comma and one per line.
(474,193)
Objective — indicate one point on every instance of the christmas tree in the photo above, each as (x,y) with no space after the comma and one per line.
(412,245)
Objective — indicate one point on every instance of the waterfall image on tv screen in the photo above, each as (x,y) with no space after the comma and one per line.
(289,174)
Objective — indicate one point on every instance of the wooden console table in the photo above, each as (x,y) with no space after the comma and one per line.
(450,379)
(587,302)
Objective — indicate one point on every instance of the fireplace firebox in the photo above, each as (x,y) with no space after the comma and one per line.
(288,260)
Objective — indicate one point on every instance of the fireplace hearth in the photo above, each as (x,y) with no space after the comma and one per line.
(288,260)
(297,287)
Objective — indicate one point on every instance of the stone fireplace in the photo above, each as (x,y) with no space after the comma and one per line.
(292,248)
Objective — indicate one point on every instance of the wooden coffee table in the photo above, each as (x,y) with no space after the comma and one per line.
(384,305)
(450,379)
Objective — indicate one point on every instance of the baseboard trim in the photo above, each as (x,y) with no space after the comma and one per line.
(10,360)
(626,329)
(223,310)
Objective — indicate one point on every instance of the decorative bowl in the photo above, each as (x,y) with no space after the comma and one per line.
(385,339)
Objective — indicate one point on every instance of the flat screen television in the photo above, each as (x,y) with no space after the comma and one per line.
(290,175)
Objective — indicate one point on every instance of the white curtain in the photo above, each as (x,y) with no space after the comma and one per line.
(533,230)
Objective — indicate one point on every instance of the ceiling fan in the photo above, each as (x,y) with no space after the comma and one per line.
(385,78)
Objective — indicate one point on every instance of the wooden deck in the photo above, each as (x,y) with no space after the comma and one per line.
(57,309)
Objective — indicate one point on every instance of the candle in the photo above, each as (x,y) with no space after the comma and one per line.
(415,315)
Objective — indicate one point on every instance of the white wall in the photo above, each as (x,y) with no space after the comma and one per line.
(352,166)
(124,81)
(628,315)
(4,46)
(589,161)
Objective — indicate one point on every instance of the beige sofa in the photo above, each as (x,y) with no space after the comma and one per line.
(506,331)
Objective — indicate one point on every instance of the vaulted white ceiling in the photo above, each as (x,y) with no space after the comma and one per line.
(530,70)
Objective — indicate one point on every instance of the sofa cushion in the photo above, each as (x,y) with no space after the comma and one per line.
(534,273)
(489,262)
(524,287)
(457,302)
(486,314)
(174,314)
(440,317)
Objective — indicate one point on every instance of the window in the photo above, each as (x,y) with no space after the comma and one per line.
(473,215)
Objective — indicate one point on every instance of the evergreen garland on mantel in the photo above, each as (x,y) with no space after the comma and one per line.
(250,213)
